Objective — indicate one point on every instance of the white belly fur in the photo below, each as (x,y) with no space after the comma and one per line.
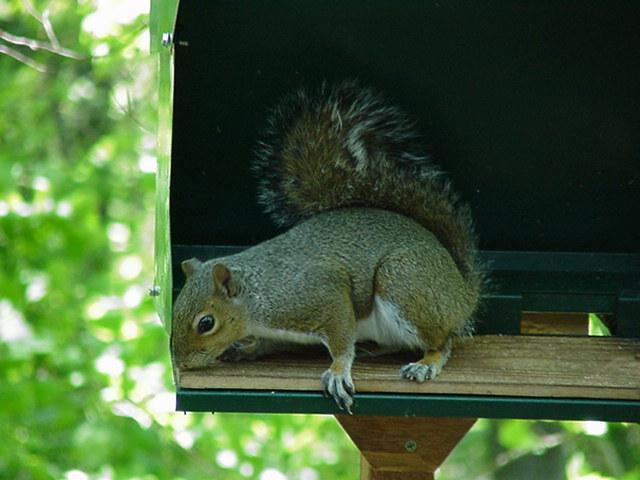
(386,326)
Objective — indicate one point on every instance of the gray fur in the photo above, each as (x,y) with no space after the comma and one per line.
(378,161)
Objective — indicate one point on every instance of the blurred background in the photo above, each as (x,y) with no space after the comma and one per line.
(85,379)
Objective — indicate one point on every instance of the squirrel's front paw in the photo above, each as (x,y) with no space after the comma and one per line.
(248,348)
(340,387)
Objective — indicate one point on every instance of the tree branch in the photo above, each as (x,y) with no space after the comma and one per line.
(43,19)
(48,28)
(22,58)
(39,45)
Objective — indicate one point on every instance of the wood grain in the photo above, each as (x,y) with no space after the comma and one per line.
(555,323)
(528,366)
(384,444)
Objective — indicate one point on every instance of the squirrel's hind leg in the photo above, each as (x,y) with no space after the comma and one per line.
(430,365)
(431,296)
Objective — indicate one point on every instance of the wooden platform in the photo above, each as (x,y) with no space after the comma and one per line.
(492,365)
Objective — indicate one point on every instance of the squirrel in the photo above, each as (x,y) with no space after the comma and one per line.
(380,249)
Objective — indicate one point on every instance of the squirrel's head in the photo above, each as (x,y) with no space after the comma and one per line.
(208,315)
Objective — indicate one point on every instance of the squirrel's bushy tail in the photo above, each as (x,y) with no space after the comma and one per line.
(342,146)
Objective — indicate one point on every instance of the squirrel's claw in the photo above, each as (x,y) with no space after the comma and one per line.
(340,387)
(418,372)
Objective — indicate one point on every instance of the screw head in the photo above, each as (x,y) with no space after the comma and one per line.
(411,446)
(167,39)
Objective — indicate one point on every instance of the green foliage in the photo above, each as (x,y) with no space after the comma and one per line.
(518,449)
(85,379)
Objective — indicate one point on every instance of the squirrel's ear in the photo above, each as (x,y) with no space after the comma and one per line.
(223,280)
(190,266)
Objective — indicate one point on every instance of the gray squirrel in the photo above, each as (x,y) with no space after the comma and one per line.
(380,247)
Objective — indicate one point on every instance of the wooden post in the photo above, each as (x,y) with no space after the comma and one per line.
(555,323)
(408,448)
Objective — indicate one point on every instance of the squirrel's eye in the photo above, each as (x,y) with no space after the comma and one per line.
(205,324)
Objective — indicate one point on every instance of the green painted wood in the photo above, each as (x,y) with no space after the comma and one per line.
(628,314)
(515,272)
(530,106)
(411,405)
(500,314)
(162,18)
